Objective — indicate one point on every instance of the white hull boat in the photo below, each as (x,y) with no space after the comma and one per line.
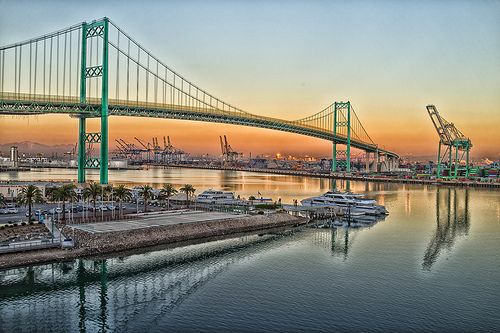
(355,203)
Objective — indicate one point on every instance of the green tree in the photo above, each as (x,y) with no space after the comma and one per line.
(146,192)
(108,190)
(2,199)
(189,190)
(92,192)
(121,193)
(168,191)
(28,196)
(65,193)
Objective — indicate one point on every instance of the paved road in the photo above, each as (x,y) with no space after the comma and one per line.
(154,221)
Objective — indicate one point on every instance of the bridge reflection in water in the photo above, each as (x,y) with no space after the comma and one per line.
(337,240)
(340,233)
(452,221)
(121,294)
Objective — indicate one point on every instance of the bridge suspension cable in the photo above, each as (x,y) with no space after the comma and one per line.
(48,74)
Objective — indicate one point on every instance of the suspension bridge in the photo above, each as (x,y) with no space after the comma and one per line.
(96,70)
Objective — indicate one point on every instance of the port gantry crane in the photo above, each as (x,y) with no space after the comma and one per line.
(229,155)
(170,153)
(456,147)
(72,152)
(146,147)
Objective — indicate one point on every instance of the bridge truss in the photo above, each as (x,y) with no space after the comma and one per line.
(96,70)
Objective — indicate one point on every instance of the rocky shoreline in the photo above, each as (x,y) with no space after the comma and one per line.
(93,244)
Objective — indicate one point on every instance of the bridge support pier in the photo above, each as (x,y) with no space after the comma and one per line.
(376,161)
(393,164)
(367,161)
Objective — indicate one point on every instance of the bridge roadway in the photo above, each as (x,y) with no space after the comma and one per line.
(26,104)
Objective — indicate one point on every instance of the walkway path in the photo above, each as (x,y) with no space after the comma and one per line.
(155,221)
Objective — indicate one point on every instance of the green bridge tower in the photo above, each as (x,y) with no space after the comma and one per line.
(342,126)
(95,29)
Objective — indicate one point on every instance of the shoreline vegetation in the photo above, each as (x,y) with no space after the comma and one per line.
(88,245)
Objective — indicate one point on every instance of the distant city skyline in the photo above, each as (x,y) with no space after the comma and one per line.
(292,59)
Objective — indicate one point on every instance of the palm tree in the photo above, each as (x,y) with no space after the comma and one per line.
(28,196)
(251,198)
(146,192)
(121,193)
(108,190)
(92,192)
(167,191)
(64,193)
(188,189)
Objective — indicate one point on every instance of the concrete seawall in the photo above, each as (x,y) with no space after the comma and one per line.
(92,244)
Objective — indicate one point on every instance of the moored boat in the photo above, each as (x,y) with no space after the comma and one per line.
(216,197)
(350,203)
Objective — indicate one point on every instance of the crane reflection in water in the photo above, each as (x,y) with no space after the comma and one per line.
(452,221)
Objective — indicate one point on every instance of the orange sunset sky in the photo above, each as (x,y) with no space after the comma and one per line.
(290,60)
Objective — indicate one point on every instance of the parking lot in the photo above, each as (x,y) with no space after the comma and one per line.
(51,209)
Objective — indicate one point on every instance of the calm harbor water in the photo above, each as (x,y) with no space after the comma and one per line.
(431,265)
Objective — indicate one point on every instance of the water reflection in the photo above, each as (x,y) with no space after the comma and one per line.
(120,294)
(452,221)
(82,313)
(338,234)
(104,298)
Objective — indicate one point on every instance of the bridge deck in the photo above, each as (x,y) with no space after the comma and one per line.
(26,104)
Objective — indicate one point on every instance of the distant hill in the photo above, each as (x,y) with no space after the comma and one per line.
(33,148)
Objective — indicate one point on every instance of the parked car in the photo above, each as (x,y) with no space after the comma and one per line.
(3,211)
(12,210)
(111,207)
(67,243)
(56,210)
(37,212)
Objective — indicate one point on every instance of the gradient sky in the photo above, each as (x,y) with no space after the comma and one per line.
(289,59)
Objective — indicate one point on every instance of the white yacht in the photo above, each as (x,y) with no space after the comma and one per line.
(216,197)
(348,200)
